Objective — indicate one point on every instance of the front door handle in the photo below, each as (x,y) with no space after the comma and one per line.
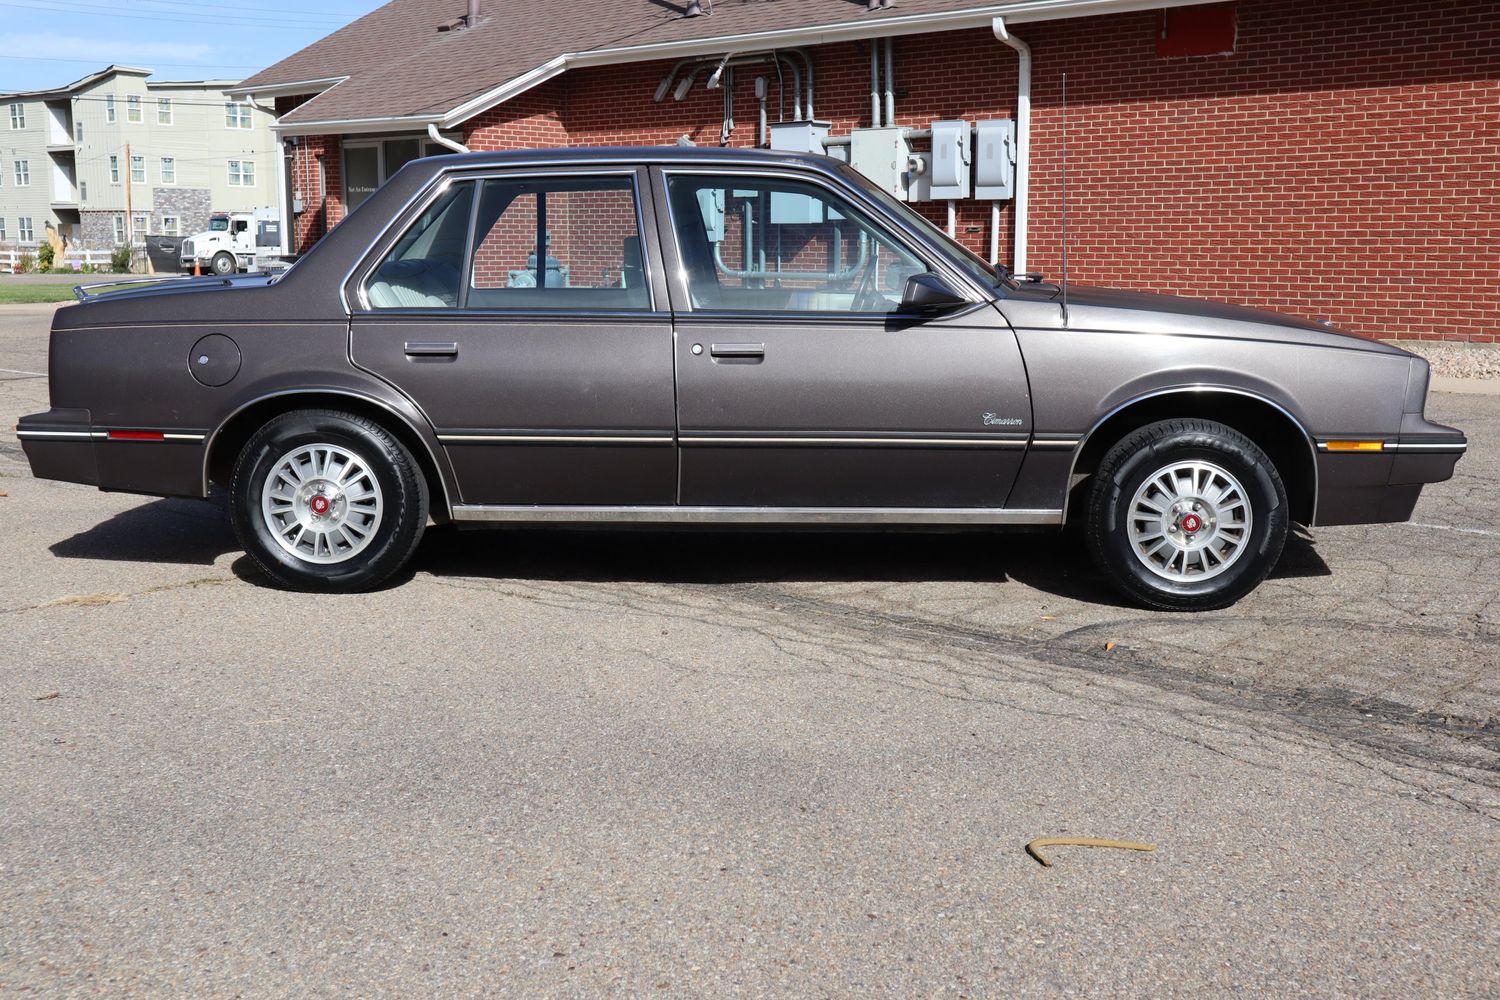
(431,349)
(738,350)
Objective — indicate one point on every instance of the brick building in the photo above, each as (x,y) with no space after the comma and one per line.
(1333,158)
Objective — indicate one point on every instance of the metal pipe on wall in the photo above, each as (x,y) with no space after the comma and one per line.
(1023,143)
(890,81)
(875,83)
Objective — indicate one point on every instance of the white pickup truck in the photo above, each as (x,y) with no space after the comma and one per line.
(233,242)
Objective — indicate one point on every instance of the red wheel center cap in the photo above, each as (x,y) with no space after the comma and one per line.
(319,505)
(1191,523)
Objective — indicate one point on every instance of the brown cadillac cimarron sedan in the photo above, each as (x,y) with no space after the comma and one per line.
(733,338)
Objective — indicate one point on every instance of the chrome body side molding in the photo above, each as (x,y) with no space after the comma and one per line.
(916,516)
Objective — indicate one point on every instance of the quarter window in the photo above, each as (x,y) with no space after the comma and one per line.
(424,270)
(17,116)
(133,109)
(764,244)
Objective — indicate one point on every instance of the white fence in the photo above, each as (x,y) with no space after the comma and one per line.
(10,258)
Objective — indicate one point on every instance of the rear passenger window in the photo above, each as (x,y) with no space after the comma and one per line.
(557,244)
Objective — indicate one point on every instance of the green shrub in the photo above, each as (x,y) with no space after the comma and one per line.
(63,269)
(88,269)
(25,263)
(44,257)
(119,260)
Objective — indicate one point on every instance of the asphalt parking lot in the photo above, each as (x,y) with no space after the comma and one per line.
(554,764)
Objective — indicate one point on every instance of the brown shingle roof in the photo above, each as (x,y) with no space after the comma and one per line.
(399,64)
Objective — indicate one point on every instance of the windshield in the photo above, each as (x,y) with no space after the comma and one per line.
(218,225)
(977,267)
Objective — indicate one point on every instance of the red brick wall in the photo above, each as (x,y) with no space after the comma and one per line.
(1342,163)
(317,172)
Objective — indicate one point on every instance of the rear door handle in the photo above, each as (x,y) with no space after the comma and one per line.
(431,349)
(737,350)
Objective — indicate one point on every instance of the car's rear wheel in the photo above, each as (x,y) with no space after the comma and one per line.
(1186,515)
(223,263)
(326,500)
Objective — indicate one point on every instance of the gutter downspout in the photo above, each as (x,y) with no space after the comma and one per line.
(1023,149)
(432,133)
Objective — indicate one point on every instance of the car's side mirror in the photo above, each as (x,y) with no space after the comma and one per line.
(927,293)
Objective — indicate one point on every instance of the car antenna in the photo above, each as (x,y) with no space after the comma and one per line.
(1065,199)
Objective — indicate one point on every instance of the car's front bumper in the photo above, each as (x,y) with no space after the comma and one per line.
(1381,486)
(65,444)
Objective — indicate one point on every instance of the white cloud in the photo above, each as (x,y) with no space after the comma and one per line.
(103,50)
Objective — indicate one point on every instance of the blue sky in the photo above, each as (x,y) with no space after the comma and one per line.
(46,43)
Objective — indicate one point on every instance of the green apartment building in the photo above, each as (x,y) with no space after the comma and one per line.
(116,156)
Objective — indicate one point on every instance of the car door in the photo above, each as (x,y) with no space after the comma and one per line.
(517,309)
(799,384)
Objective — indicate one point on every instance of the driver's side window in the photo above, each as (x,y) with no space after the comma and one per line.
(766,244)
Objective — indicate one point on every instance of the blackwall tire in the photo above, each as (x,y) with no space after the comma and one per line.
(325,500)
(1186,515)
(223,263)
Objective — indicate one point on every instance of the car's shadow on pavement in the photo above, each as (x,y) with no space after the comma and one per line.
(174,530)
(195,532)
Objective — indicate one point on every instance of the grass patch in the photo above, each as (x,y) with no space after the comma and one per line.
(20,294)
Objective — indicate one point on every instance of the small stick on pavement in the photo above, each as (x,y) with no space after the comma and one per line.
(1032,848)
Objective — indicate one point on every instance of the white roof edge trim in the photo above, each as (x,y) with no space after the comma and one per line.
(289,88)
(979,17)
(353,126)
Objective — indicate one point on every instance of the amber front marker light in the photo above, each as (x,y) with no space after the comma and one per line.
(1356,446)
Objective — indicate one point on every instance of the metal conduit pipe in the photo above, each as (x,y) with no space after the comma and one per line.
(762,272)
(807,60)
(890,81)
(875,83)
(1023,148)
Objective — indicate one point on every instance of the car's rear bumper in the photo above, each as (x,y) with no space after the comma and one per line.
(66,445)
(1381,486)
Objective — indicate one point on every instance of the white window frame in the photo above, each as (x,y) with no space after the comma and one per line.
(140,225)
(17,116)
(109,108)
(114,169)
(25,231)
(237,116)
(78,131)
(164,111)
(238,173)
(23,173)
(133,161)
(83,191)
(119,229)
(168,170)
(2,229)
(169,225)
(133,113)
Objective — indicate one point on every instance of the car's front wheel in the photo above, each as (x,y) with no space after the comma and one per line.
(326,500)
(1187,515)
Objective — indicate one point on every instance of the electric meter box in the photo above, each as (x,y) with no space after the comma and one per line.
(995,166)
(881,154)
(919,177)
(950,160)
(799,137)
(711,206)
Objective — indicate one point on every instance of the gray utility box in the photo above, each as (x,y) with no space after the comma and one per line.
(797,137)
(919,177)
(995,170)
(881,154)
(950,160)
